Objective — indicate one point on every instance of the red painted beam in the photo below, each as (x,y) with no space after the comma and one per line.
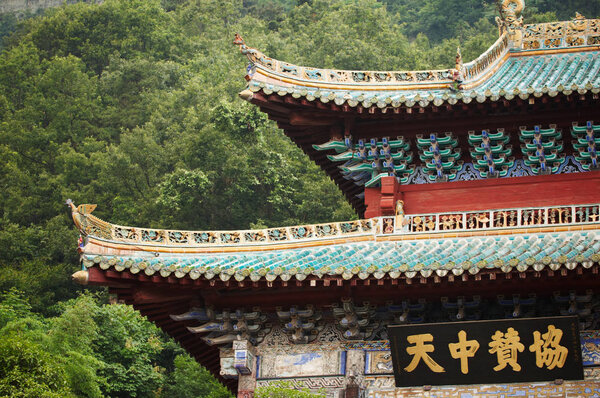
(536,191)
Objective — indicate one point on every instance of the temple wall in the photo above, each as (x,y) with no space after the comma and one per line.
(332,364)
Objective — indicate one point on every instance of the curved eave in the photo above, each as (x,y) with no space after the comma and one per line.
(521,74)
(391,256)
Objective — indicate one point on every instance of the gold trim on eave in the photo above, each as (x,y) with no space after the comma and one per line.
(442,85)
(133,247)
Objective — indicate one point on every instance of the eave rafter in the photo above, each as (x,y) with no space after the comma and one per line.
(308,123)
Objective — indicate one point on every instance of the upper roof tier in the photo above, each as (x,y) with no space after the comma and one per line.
(526,60)
(493,117)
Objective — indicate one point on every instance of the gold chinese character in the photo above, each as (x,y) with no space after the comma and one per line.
(463,349)
(547,350)
(420,351)
(506,345)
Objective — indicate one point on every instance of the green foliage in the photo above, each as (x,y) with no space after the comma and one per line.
(13,306)
(445,19)
(133,105)
(284,390)
(93,350)
(8,24)
(127,345)
(134,28)
(27,371)
(190,380)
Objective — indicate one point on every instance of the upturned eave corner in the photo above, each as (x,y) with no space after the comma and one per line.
(78,211)
(81,277)
(401,241)
(463,82)
(246,95)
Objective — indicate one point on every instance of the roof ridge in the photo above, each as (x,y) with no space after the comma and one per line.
(517,38)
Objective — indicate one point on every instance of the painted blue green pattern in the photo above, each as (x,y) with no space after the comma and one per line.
(586,140)
(366,162)
(439,156)
(524,76)
(542,150)
(490,154)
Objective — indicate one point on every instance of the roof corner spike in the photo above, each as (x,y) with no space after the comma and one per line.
(254,56)
(459,61)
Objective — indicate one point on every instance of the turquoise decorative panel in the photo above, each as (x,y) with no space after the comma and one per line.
(590,347)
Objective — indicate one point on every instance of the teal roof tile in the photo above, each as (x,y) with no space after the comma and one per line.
(538,75)
(367,258)
(539,63)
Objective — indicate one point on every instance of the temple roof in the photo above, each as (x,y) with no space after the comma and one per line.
(527,60)
(411,258)
(432,245)
(506,114)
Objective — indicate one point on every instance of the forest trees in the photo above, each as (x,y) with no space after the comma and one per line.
(133,105)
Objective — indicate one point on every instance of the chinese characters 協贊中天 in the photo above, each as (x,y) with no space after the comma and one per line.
(506,345)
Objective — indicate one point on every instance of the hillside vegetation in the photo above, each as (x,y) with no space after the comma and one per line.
(132,104)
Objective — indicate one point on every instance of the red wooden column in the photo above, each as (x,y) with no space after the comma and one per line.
(382,201)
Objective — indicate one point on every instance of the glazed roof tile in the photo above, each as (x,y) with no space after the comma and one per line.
(518,77)
(411,258)
(538,59)
(419,246)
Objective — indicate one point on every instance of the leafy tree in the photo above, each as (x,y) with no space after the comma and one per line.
(284,390)
(27,371)
(190,380)
(133,28)
(13,306)
(127,346)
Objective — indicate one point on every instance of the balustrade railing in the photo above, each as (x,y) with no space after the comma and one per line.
(349,76)
(577,32)
(406,224)
(496,219)
(476,67)
(94,226)
(470,70)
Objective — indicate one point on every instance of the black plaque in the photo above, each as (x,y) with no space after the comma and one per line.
(497,351)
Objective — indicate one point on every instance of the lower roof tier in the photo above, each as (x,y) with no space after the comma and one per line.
(401,246)
(379,259)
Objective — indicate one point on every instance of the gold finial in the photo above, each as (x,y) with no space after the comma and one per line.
(81,209)
(511,21)
(86,209)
